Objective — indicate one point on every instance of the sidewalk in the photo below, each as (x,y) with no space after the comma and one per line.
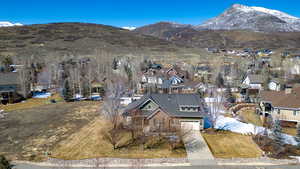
(197,150)
(110,162)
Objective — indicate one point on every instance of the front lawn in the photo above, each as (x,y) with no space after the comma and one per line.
(226,144)
(249,116)
(289,130)
(90,143)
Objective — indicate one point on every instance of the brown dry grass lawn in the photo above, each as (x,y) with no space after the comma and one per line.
(249,116)
(290,131)
(27,134)
(30,103)
(232,145)
(89,143)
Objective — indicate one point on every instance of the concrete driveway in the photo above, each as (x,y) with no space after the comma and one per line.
(197,150)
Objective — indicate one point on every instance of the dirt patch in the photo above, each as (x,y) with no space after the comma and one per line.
(29,134)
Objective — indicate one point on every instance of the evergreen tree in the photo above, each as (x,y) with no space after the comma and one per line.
(277,133)
(219,80)
(229,96)
(115,64)
(7,61)
(67,91)
(4,163)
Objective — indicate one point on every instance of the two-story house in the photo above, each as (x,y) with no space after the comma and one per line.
(282,105)
(166,112)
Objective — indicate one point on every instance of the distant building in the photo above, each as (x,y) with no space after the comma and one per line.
(10,88)
(254,81)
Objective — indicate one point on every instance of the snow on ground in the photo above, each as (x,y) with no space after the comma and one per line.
(41,95)
(231,124)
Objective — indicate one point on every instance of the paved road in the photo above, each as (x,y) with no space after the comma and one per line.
(197,150)
(25,166)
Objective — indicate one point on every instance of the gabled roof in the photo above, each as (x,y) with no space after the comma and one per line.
(256,79)
(170,103)
(282,99)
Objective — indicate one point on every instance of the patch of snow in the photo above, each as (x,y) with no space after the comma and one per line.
(281,15)
(8,24)
(129,28)
(231,124)
(41,95)
(273,12)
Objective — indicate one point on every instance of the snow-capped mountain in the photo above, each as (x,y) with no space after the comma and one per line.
(129,28)
(252,18)
(8,24)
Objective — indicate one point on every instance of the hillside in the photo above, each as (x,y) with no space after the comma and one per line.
(59,39)
(221,38)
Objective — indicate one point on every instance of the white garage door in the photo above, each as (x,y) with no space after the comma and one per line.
(190,125)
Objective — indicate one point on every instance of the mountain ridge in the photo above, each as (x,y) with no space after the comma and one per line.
(241,17)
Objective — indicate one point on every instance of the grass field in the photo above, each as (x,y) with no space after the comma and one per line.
(30,103)
(231,145)
(249,116)
(89,143)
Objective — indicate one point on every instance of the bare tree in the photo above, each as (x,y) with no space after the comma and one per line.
(24,77)
(112,112)
(215,105)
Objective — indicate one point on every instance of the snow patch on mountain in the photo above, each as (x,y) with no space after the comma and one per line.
(8,24)
(279,14)
(129,28)
(253,18)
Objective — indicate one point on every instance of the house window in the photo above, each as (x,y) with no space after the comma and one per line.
(278,111)
(295,113)
(189,108)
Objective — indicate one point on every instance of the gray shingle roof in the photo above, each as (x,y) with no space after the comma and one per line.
(256,79)
(171,103)
(9,78)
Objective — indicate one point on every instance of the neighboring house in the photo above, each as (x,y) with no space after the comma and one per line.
(158,112)
(276,84)
(254,81)
(284,105)
(203,72)
(172,85)
(10,87)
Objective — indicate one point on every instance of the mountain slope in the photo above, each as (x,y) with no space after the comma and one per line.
(240,17)
(59,39)
(222,38)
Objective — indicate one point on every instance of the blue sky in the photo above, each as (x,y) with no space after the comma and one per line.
(128,12)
